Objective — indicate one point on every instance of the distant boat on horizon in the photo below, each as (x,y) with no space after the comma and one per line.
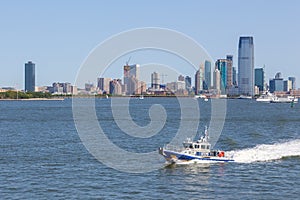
(245,97)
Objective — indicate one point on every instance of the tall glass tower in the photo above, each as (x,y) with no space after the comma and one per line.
(246,66)
(260,78)
(29,77)
(222,66)
(207,70)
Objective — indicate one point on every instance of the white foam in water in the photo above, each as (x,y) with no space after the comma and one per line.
(265,152)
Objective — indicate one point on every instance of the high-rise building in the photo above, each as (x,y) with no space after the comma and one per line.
(229,59)
(74,90)
(276,84)
(222,66)
(287,85)
(103,84)
(131,77)
(201,74)
(115,87)
(141,89)
(155,81)
(217,81)
(29,77)
(293,79)
(188,83)
(197,82)
(57,88)
(207,77)
(234,79)
(260,78)
(67,88)
(246,66)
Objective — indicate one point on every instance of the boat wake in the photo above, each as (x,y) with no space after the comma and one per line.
(264,152)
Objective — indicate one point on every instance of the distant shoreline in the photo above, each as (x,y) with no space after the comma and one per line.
(34,99)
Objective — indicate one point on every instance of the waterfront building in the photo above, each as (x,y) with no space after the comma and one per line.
(276,84)
(197,82)
(188,83)
(115,87)
(207,77)
(217,81)
(293,79)
(155,81)
(287,85)
(66,88)
(103,84)
(57,88)
(74,90)
(131,85)
(222,66)
(246,66)
(142,87)
(29,77)
(201,76)
(256,90)
(229,82)
(89,87)
(177,87)
(131,77)
(234,76)
(260,78)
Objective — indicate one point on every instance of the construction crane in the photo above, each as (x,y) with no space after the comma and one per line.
(128,61)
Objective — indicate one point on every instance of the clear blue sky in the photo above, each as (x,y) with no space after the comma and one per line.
(58,35)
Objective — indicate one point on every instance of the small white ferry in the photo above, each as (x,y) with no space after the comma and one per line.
(268,97)
(288,99)
(194,152)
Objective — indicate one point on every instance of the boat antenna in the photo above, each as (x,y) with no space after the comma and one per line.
(206,133)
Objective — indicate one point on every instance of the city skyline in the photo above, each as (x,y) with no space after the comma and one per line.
(59,54)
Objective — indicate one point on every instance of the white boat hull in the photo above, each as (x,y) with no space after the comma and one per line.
(285,100)
(183,158)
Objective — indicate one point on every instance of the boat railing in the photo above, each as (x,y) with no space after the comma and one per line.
(174,148)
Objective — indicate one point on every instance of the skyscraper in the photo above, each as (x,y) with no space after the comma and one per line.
(197,82)
(234,79)
(103,84)
(260,78)
(188,83)
(293,79)
(29,77)
(229,59)
(115,87)
(287,85)
(217,81)
(131,76)
(222,66)
(246,66)
(207,77)
(155,81)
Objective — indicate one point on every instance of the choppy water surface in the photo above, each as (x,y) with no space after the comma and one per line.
(42,157)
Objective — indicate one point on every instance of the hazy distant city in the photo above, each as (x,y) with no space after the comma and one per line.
(219,79)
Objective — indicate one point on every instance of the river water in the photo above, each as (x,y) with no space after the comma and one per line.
(43,157)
